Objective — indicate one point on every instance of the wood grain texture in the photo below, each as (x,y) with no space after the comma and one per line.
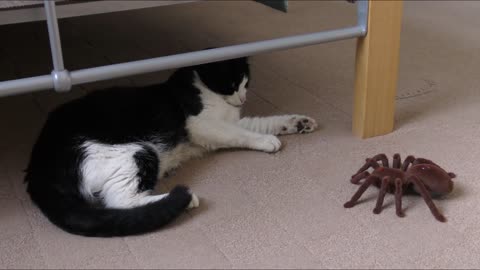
(377,61)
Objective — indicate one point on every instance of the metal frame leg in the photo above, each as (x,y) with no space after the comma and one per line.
(61,77)
(62,80)
(362,16)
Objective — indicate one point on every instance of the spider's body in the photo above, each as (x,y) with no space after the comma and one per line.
(419,175)
(392,173)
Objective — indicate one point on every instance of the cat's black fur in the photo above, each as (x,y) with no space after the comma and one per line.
(117,116)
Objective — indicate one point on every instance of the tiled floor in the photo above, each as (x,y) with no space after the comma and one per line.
(260,210)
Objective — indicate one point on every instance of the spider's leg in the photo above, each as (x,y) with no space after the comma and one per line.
(368,163)
(396,161)
(381,195)
(428,199)
(360,191)
(356,178)
(408,160)
(383,158)
(398,197)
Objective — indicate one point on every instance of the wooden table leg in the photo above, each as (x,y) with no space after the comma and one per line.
(377,70)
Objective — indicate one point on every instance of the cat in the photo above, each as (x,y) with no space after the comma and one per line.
(97,159)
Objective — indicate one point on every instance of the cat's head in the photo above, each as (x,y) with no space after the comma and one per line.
(229,78)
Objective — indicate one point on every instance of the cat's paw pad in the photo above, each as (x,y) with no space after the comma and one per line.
(299,124)
(195,202)
(268,143)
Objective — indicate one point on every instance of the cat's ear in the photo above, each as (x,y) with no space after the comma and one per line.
(206,72)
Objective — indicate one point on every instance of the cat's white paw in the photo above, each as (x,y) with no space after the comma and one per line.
(195,202)
(299,124)
(268,143)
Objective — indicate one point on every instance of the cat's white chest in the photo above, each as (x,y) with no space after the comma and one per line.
(216,108)
(223,111)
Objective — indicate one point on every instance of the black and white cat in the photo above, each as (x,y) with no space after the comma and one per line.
(98,158)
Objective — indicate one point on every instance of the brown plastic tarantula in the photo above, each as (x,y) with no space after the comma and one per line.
(419,175)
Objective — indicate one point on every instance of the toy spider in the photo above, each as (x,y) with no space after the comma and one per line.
(419,175)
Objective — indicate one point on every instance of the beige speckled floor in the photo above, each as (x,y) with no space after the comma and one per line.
(261,210)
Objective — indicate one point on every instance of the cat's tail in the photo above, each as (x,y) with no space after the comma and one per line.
(77,216)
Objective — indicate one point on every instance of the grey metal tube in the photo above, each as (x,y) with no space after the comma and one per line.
(61,77)
(20,86)
(200,57)
(362,15)
(179,60)
(54,35)
(62,80)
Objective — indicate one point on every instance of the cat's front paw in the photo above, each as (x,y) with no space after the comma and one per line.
(268,143)
(195,202)
(299,124)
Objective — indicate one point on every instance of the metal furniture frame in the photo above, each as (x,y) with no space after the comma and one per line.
(62,80)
